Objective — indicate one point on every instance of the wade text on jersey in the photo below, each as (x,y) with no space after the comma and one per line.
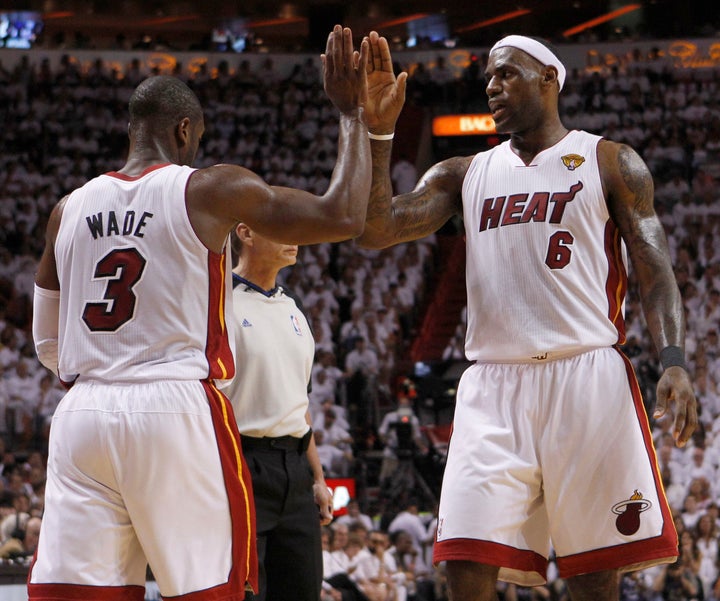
(111,224)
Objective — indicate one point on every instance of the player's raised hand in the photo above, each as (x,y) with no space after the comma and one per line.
(386,92)
(345,70)
(676,388)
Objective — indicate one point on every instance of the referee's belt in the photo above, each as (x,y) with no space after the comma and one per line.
(277,443)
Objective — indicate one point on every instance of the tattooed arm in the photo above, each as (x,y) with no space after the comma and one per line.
(435,199)
(416,214)
(629,190)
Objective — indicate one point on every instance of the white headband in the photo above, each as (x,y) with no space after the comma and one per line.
(535,49)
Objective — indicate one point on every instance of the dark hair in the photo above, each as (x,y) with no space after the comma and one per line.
(163,101)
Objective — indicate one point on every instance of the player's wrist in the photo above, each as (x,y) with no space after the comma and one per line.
(353,114)
(381,134)
(672,356)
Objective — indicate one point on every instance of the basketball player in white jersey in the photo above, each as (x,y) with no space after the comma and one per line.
(145,463)
(551,447)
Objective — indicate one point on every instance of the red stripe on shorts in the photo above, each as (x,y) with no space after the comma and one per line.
(72,592)
(489,553)
(242,506)
(643,553)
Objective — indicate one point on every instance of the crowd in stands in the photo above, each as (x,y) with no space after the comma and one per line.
(64,126)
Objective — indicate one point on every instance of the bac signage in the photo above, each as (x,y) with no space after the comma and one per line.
(463,125)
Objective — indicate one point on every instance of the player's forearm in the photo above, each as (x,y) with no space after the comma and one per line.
(45,326)
(662,304)
(349,189)
(379,211)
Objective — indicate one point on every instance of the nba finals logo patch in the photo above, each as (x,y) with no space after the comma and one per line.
(572,161)
(628,513)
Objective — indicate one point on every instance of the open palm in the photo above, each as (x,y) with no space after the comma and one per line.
(385,92)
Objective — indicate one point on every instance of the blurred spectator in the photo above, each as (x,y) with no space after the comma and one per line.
(409,522)
(336,462)
(442,79)
(400,434)
(455,349)
(361,370)
(418,584)
(690,511)
(403,174)
(355,515)
(706,536)
(377,573)
(23,542)
(333,433)
(13,524)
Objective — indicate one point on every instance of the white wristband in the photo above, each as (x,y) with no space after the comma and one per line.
(381,136)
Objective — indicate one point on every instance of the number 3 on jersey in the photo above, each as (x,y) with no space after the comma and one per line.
(122,268)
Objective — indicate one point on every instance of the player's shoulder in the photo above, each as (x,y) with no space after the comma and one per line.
(618,156)
(453,168)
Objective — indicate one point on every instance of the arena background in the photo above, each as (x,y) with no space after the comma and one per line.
(591,37)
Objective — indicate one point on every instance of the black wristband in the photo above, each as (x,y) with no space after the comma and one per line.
(672,355)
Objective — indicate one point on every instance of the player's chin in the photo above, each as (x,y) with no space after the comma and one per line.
(502,126)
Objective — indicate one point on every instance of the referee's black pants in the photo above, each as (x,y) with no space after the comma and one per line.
(288,522)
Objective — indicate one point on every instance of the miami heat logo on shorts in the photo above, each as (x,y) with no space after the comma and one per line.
(572,161)
(628,513)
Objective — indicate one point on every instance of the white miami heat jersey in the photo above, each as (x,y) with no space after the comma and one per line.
(142,298)
(546,267)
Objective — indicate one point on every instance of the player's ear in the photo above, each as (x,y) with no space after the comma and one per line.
(182,132)
(550,75)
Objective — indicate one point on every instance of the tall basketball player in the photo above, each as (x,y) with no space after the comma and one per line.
(145,462)
(551,446)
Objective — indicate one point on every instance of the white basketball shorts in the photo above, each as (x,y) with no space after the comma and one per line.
(555,454)
(145,473)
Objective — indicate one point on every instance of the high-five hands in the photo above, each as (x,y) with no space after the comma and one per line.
(386,92)
(345,70)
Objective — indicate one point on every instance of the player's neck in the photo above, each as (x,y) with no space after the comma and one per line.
(146,152)
(528,144)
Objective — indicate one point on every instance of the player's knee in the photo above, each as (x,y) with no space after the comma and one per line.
(472,581)
(595,586)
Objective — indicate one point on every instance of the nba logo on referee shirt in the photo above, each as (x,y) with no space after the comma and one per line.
(296,325)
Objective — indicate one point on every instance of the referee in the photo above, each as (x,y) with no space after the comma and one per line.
(274,350)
